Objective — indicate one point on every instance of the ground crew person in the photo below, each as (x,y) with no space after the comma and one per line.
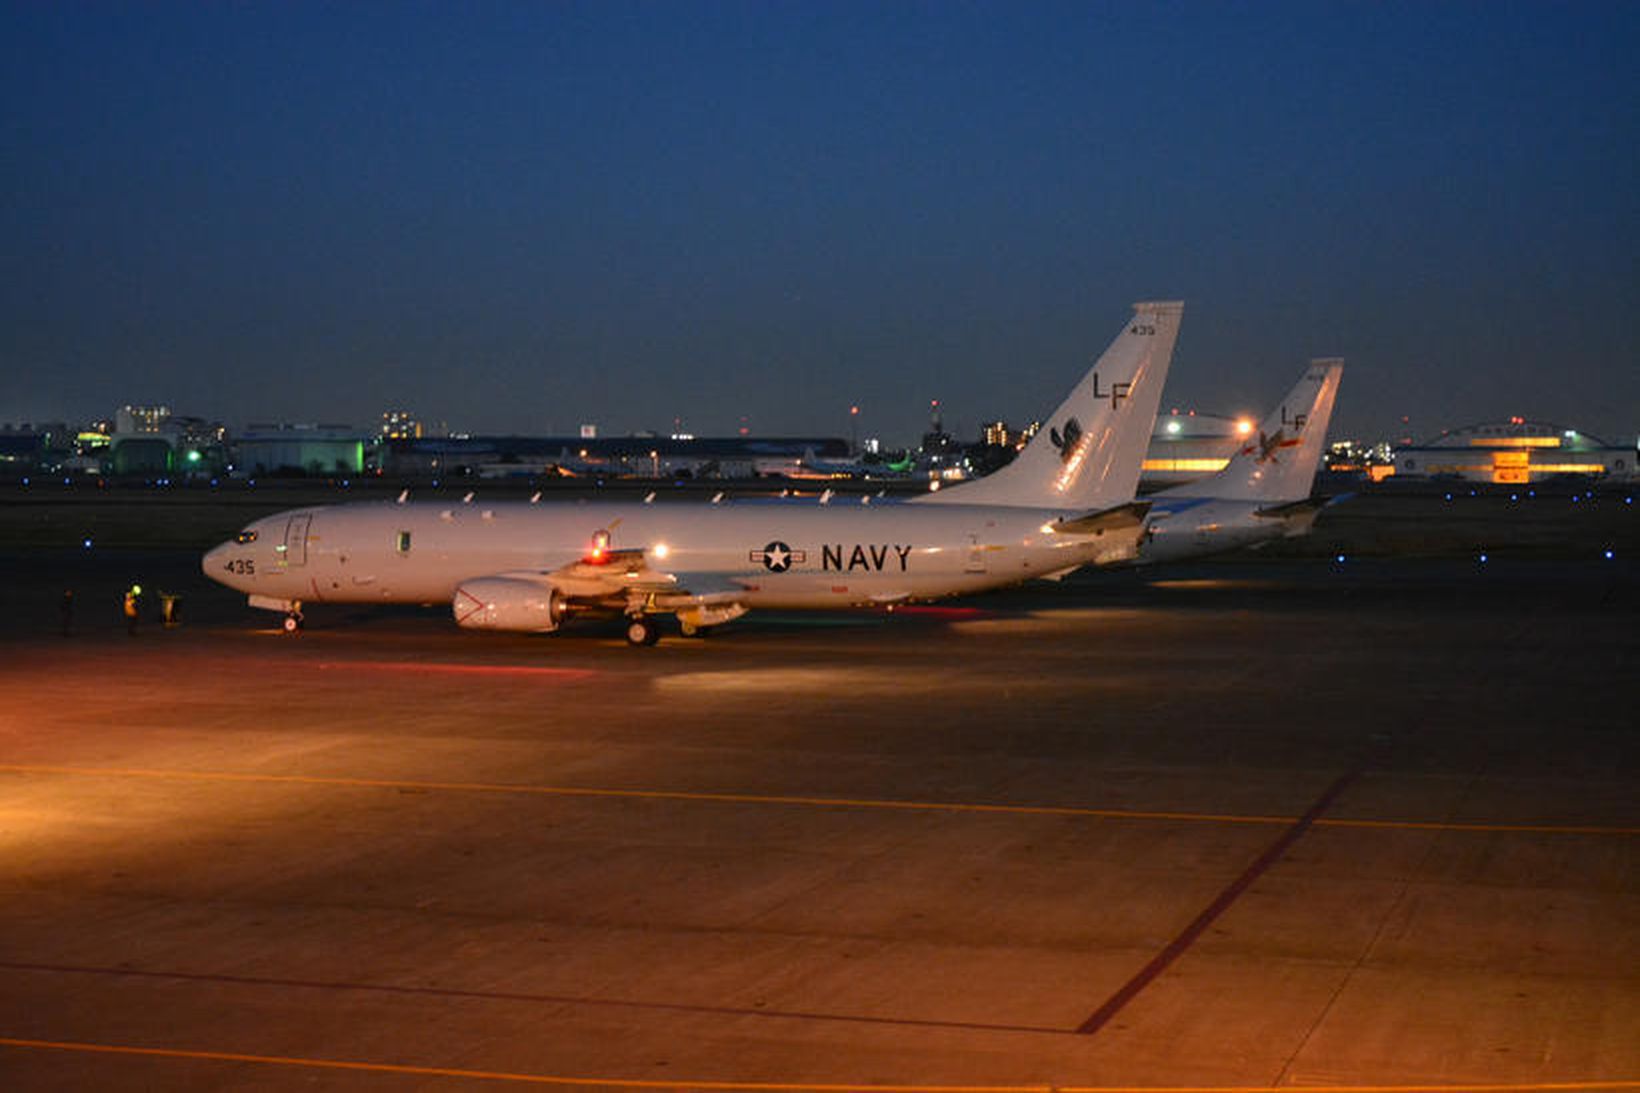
(131,595)
(168,609)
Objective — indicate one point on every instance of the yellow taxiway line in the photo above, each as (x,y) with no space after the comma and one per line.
(778,1087)
(807,801)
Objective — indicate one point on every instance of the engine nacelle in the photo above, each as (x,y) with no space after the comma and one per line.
(507,603)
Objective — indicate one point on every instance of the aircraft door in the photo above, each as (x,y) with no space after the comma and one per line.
(976,556)
(296,536)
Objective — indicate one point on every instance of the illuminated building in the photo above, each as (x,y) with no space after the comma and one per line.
(1187,445)
(1514,452)
(130,420)
(144,441)
(633,456)
(400,425)
(1352,457)
(306,449)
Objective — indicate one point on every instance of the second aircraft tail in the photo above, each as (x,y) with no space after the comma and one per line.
(1279,464)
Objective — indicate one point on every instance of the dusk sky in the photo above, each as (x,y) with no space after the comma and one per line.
(521,217)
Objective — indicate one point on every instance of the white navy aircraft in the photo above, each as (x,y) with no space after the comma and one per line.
(1065,502)
(1263,493)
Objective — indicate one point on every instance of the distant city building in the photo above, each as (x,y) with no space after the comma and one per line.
(141,419)
(615,457)
(1352,457)
(1514,452)
(400,425)
(940,455)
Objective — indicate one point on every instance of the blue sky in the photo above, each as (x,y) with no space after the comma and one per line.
(520,217)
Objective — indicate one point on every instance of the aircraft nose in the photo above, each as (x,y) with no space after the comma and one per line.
(212,561)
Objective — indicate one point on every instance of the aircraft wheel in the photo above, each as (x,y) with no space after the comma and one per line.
(688,629)
(642,632)
(293,623)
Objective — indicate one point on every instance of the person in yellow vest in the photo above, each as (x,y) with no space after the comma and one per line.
(131,595)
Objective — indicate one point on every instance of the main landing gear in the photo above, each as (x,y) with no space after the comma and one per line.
(641,630)
(293,620)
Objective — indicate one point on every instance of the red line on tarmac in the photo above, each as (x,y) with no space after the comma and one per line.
(1187,937)
(937,612)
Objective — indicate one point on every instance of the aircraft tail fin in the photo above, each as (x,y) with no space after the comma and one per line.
(1087,453)
(1278,465)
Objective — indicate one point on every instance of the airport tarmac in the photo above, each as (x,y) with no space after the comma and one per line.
(1241,825)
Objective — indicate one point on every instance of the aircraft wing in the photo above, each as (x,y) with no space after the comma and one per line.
(623,580)
(702,590)
(1306,507)
(623,573)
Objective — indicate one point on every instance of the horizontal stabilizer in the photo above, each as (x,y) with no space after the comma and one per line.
(1291,508)
(1130,515)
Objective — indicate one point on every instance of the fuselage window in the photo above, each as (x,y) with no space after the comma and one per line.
(404,542)
(245,537)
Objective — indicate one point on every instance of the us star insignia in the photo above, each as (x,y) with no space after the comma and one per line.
(777,557)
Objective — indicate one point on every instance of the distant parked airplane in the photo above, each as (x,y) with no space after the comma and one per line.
(1263,493)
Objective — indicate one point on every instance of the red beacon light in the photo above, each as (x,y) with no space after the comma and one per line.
(598,553)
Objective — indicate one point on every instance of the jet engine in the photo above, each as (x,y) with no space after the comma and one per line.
(508,603)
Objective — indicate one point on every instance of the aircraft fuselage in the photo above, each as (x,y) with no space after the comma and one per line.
(1184,527)
(781,555)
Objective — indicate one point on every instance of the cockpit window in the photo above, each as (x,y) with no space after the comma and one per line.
(246,536)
